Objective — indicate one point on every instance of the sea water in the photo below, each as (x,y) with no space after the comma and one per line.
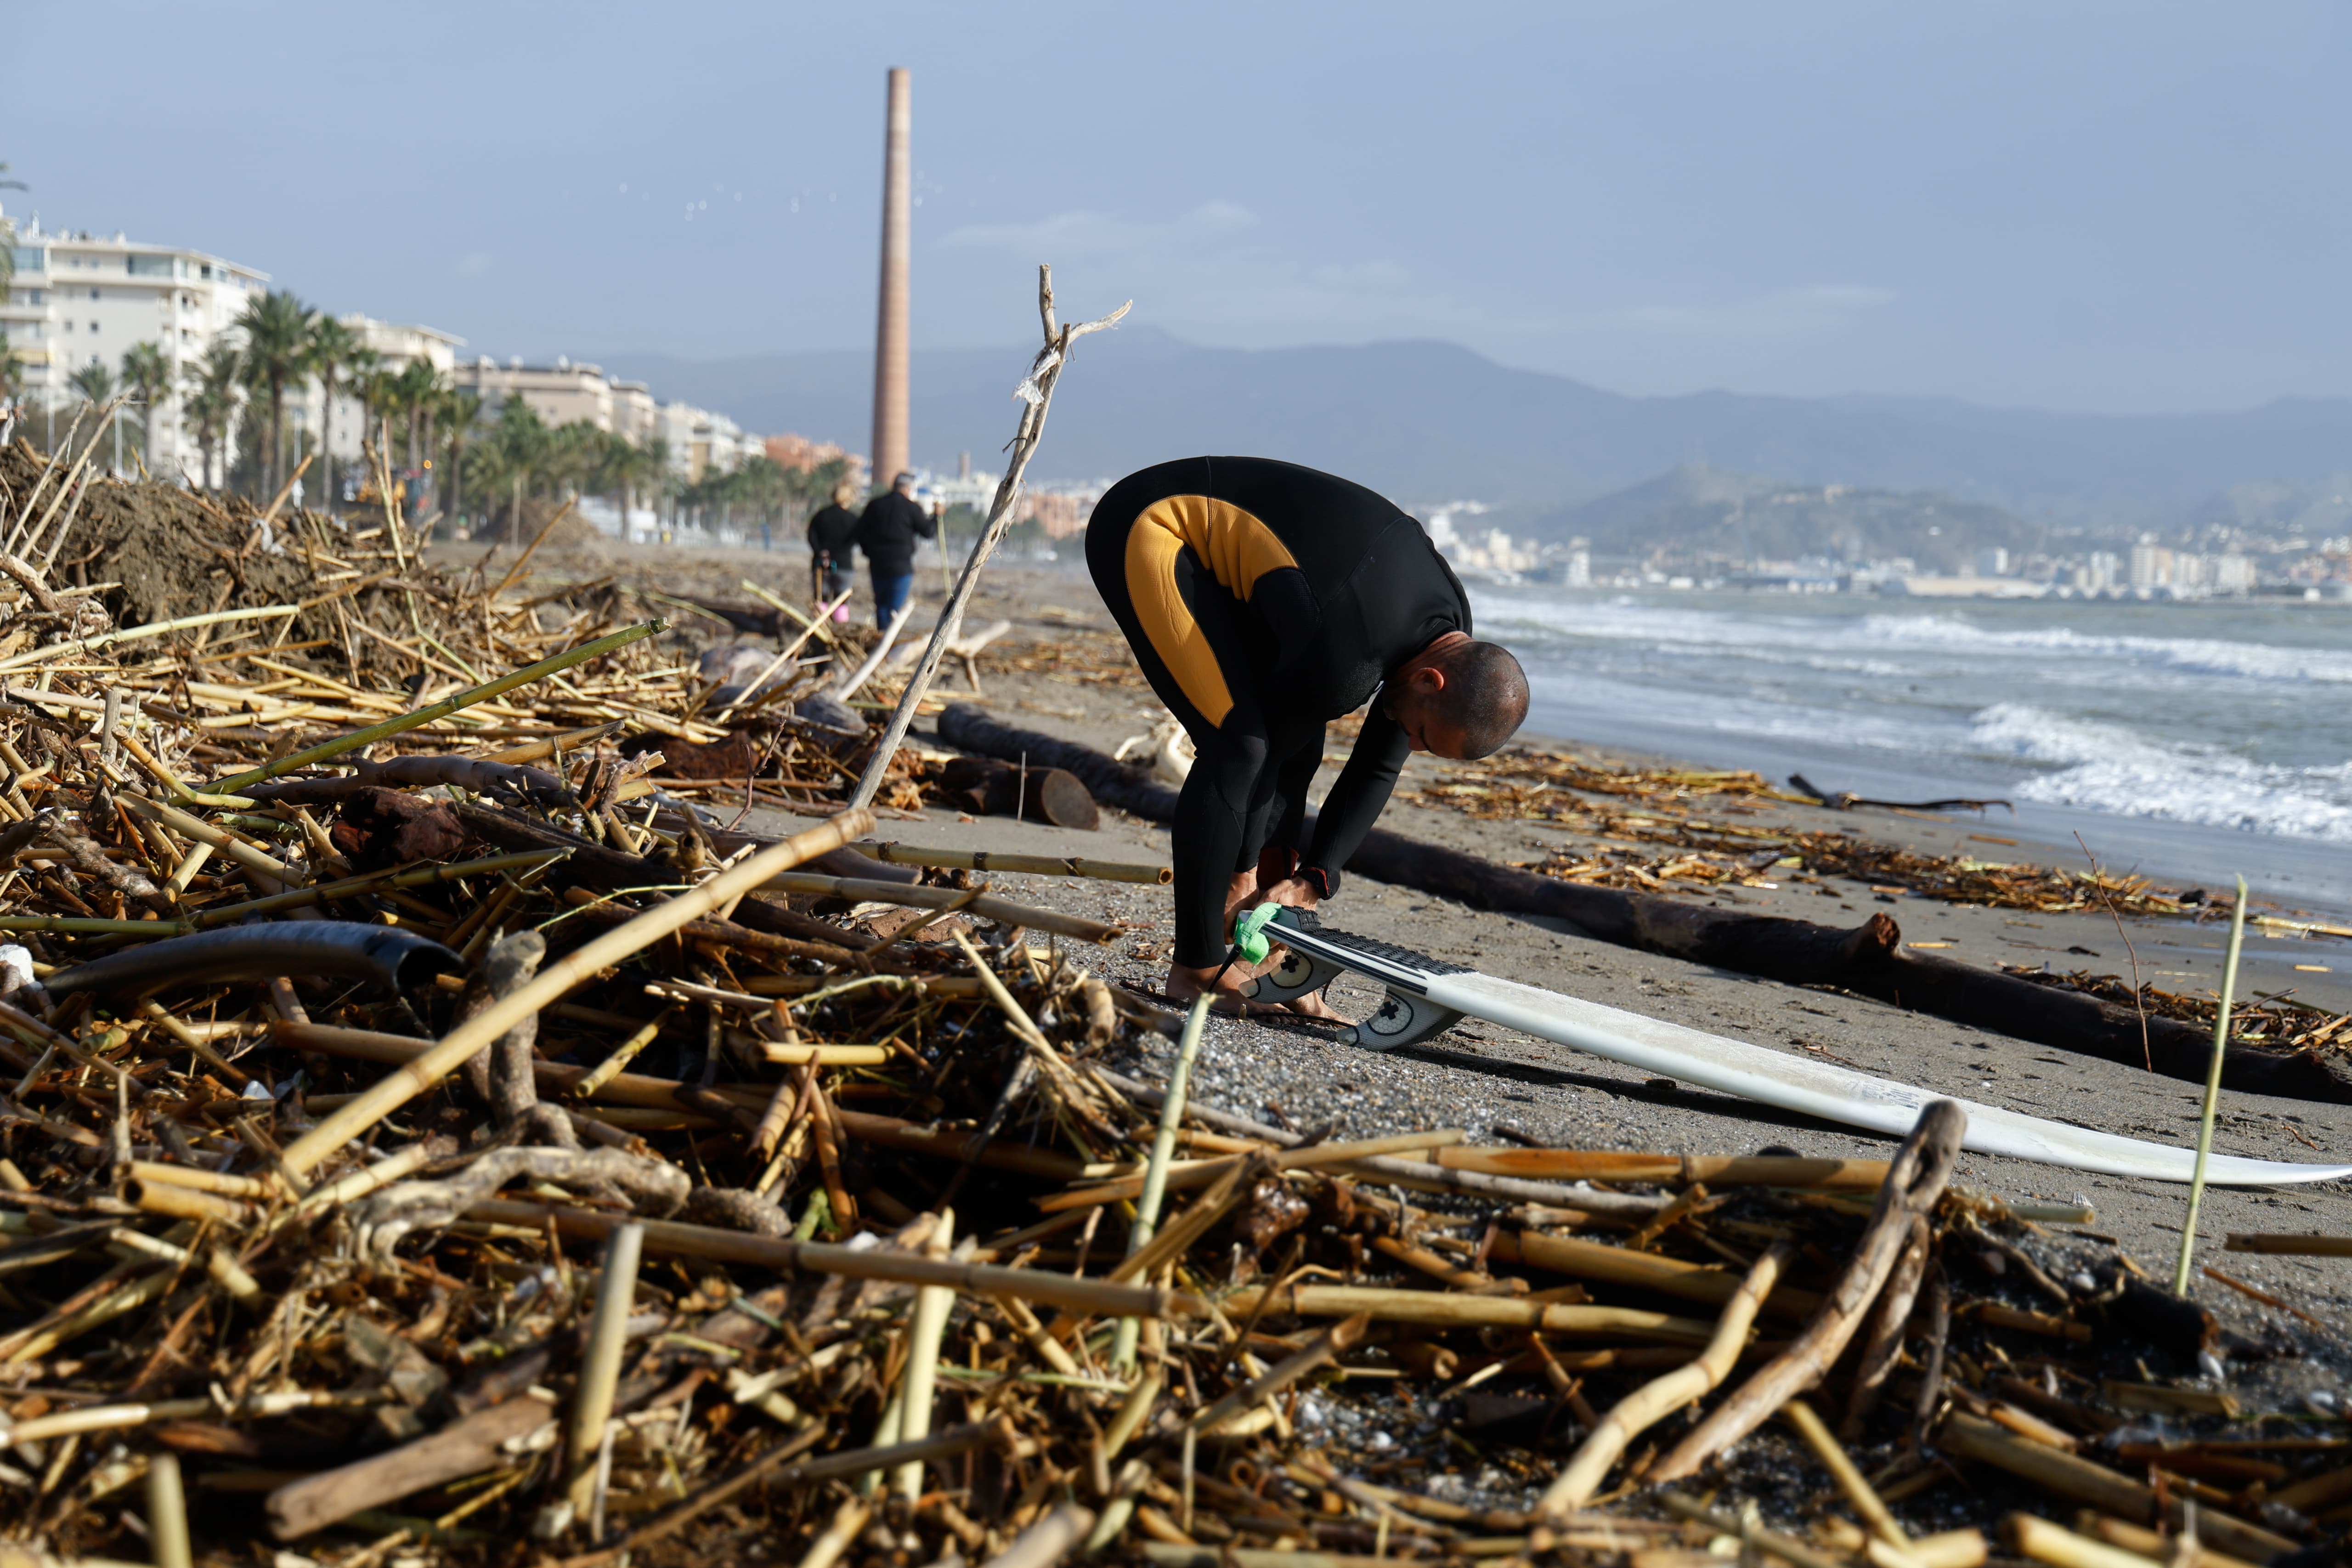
(2190,741)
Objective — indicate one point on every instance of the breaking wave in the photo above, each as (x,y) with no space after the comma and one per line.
(1630,620)
(2106,767)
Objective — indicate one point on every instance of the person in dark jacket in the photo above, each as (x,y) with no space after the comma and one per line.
(832,533)
(1262,601)
(887,532)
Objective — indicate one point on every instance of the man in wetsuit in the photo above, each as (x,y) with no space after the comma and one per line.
(1263,600)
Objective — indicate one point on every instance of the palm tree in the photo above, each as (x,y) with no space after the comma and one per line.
(334,349)
(94,382)
(217,381)
(416,387)
(277,329)
(12,383)
(8,236)
(460,410)
(147,372)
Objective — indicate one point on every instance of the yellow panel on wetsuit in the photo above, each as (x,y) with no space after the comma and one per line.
(1235,547)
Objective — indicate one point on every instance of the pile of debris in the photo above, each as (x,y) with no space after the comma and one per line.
(2279,1022)
(1529,784)
(429,1136)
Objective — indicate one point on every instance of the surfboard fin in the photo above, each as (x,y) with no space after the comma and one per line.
(1404,1019)
(1296,975)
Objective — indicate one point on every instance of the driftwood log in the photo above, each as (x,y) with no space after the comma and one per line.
(1868,960)
(466,1446)
(986,787)
(1914,1184)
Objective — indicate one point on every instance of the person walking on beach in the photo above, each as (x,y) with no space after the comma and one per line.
(1263,600)
(887,533)
(830,536)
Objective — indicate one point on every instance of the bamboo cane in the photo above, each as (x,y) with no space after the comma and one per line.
(452,703)
(2042,1541)
(919,1384)
(1679,1170)
(600,1369)
(1652,1403)
(1028,865)
(2212,1094)
(1445,1310)
(137,634)
(396,1089)
(1645,1271)
(1318,1353)
(671,1238)
(2290,1245)
(1154,1187)
(1841,1467)
(167,1512)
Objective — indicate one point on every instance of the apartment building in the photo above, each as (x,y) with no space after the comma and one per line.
(563,393)
(701,442)
(80,299)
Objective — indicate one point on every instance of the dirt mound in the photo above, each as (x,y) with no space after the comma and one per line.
(171,552)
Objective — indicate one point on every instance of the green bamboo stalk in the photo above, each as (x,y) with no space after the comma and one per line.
(1155,1175)
(326,750)
(77,925)
(2212,1093)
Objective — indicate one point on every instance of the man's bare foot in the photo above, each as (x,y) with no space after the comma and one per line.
(1186,983)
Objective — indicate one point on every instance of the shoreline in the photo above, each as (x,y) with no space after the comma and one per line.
(1062,672)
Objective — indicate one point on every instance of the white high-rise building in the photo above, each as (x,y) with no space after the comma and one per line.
(79,299)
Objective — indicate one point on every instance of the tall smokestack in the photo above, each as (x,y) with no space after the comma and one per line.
(890,328)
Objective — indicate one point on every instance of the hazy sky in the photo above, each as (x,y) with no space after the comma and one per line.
(2104,206)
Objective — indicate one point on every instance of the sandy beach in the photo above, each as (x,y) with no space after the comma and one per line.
(1484,1078)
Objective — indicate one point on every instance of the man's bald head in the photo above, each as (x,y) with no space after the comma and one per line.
(1460,697)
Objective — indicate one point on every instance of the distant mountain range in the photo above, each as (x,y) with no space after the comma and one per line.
(1429,422)
(1699,515)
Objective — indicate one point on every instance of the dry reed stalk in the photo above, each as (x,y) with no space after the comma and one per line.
(919,1384)
(326,750)
(2213,1093)
(1843,1470)
(1317,1353)
(600,1369)
(1440,1309)
(1653,1401)
(1914,1183)
(896,854)
(396,1089)
(1665,1276)
(1677,1170)
(671,1238)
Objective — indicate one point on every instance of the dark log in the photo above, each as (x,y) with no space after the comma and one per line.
(986,787)
(760,619)
(1131,789)
(1868,960)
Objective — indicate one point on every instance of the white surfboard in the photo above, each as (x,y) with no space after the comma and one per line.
(1425,996)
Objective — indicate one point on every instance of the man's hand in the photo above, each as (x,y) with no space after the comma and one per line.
(1185,984)
(1293,893)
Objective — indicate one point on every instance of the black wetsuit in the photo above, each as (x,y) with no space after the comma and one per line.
(1263,600)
